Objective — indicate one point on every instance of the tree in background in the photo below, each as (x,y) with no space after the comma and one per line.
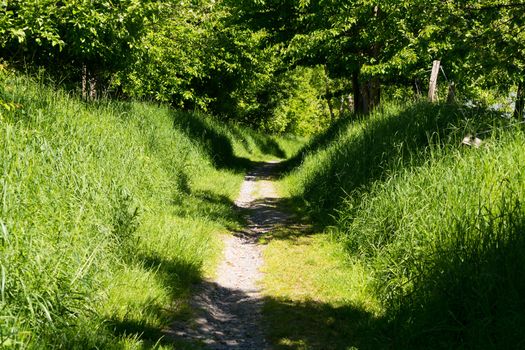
(298,104)
(231,57)
(372,44)
(194,57)
(78,39)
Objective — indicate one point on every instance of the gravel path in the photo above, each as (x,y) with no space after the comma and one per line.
(228,309)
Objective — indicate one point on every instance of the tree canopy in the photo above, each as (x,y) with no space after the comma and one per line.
(233,57)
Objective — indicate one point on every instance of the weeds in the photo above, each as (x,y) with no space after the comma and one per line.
(103,225)
(438,225)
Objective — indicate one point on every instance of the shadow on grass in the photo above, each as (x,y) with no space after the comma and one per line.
(470,298)
(266,145)
(212,206)
(151,336)
(471,304)
(229,319)
(177,277)
(211,139)
(318,142)
(315,325)
(467,294)
(472,294)
(369,150)
(216,140)
(454,312)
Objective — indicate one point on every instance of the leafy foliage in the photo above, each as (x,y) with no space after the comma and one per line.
(478,42)
(298,103)
(99,34)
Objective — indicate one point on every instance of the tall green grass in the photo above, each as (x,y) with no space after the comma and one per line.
(440,226)
(109,211)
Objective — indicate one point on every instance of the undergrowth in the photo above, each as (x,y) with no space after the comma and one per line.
(439,226)
(109,211)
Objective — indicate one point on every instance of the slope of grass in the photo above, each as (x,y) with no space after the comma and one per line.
(108,212)
(438,227)
(352,155)
(446,243)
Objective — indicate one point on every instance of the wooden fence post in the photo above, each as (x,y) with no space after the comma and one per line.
(432,91)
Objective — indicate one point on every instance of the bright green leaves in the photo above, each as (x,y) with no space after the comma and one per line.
(71,33)
(194,55)
(19,34)
(28,23)
(299,105)
(103,31)
(171,55)
(226,56)
(395,40)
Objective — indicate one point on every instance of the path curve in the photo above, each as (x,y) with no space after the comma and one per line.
(228,309)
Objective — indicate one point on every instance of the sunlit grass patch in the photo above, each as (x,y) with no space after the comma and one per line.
(315,296)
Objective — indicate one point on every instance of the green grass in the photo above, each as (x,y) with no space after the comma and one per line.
(437,227)
(109,211)
(445,244)
(315,296)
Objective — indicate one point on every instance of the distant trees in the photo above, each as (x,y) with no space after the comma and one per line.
(78,38)
(230,56)
(186,53)
(193,58)
(374,43)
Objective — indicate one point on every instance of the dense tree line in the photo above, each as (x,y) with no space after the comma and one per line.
(74,36)
(189,54)
(232,57)
(372,44)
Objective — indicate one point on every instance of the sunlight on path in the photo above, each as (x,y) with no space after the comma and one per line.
(229,308)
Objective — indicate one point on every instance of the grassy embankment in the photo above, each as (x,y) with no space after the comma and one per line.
(426,237)
(109,211)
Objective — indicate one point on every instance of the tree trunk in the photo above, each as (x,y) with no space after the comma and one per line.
(520,101)
(451,97)
(356,92)
(92,87)
(367,95)
(84,82)
(374,93)
(432,86)
(328,93)
(417,90)
(365,98)
(89,84)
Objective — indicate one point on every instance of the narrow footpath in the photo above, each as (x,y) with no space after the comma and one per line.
(228,309)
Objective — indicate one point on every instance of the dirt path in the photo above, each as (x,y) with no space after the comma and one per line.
(229,308)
